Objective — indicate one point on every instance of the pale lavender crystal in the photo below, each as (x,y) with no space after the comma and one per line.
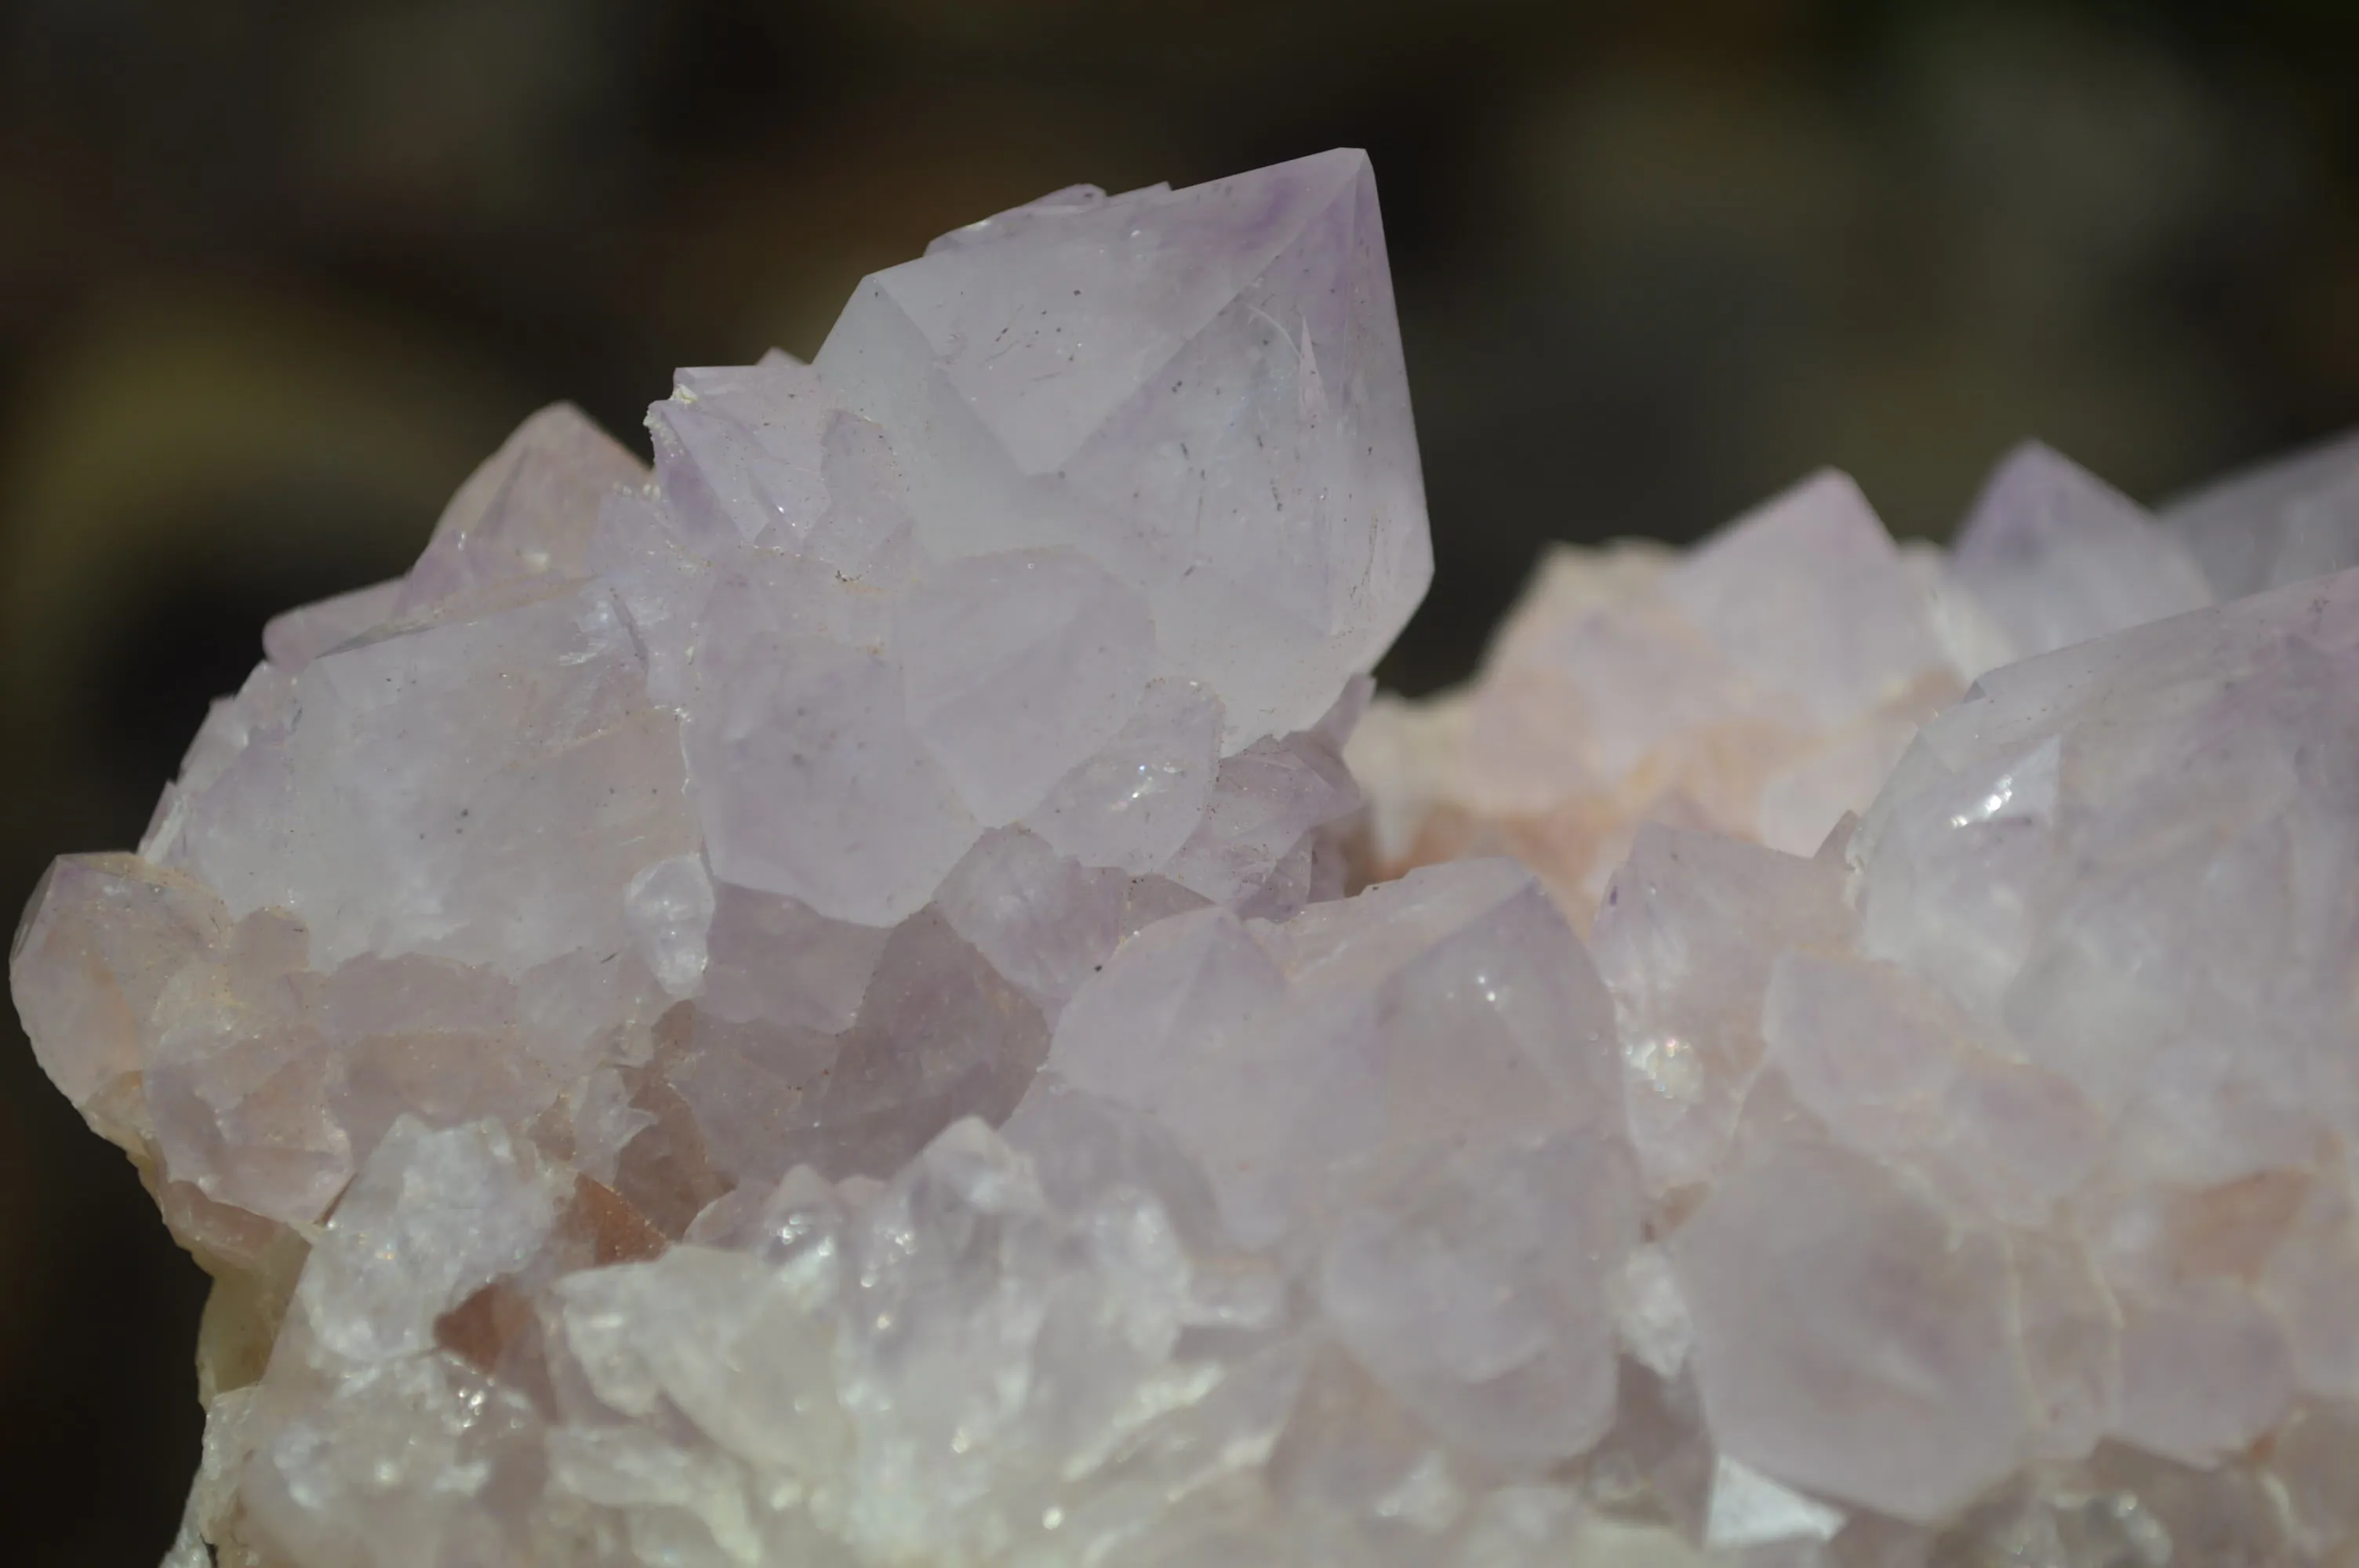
(1890,1064)
(528,512)
(1136,801)
(2164,923)
(1018,668)
(768,453)
(2275,524)
(1045,922)
(1848,1338)
(294,638)
(1692,926)
(1234,1032)
(418,785)
(2060,557)
(838,1003)
(1205,385)
(812,785)
(1809,599)
(1265,804)
(1480,1295)
(1760,686)
(772,959)
(103,938)
(2033,807)
(1295,1063)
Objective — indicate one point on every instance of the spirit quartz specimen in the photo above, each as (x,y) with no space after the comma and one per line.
(839,1002)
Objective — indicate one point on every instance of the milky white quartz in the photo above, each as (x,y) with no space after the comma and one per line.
(878,994)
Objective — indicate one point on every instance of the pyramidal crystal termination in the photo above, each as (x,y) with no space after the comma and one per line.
(841,1002)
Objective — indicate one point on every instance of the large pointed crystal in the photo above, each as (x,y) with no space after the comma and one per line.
(1205,385)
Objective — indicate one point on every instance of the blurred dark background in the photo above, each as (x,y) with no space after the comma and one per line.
(274,274)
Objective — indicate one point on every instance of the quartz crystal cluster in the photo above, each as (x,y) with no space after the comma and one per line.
(840,1003)
(1765,683)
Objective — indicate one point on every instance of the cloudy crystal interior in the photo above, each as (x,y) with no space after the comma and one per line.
(883,993)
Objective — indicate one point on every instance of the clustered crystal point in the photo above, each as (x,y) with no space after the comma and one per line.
(867,997)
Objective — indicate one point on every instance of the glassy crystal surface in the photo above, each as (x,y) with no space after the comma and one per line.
(880,993)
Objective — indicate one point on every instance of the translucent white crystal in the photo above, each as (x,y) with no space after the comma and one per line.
(670,907)
(435,1216)
(1651,1313)
(1748,1508)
